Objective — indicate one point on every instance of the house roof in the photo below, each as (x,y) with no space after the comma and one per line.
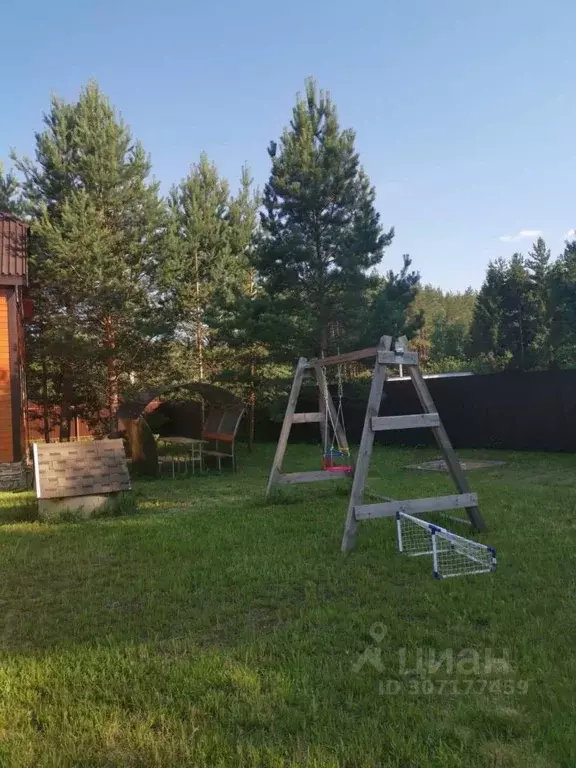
(80,469)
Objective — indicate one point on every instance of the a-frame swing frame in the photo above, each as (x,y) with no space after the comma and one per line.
(373,423)
(317,366)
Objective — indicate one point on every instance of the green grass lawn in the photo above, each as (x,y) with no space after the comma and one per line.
(212,628)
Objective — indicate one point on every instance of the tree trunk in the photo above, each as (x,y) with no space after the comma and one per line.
(251,408)
(111,376)
(199,348)
(45,403)
(65,405)
(199,318)
(252,394)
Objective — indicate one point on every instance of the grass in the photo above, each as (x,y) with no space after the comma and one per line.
(212,628)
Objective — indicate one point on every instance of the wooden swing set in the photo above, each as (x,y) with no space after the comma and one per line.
(336,459)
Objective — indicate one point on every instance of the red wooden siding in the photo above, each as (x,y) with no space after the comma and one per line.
(79,429)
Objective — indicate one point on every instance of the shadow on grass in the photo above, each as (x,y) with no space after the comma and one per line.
(17,507)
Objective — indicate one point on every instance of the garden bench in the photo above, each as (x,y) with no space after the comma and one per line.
(220,431)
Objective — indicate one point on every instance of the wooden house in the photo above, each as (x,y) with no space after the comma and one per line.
(14,236)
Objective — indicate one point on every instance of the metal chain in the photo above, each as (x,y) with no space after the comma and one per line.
(328,413)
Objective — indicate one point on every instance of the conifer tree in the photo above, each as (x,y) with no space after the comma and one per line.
(388,312)
(485,331)
(97,228)
(506,326)
(563,308)
(207,262)
(538,264)
(520,321)
(9,193)
(320,232)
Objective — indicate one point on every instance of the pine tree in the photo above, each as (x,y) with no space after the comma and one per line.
(506,324)
(10,201)
(520,322)
(97,227)
(320,232)
(563,308)
(207,263)
(485,331)
(538,263)
(389,311)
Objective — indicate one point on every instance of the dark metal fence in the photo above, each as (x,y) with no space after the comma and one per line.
(516,411)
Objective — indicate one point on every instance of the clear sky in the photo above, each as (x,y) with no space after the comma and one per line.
(465,110)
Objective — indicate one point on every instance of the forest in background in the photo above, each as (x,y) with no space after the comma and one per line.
(231,284)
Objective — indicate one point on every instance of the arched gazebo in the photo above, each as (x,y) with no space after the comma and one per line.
(222,406)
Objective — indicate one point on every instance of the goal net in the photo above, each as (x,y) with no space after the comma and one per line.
(452,555)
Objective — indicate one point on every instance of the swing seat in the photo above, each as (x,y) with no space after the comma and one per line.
(336,468)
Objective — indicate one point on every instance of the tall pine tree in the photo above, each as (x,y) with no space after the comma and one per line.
(320,232)
(207,262)
(97,228)
(520,321)
(507,327)
(538,264)
(485,331)
(563,308)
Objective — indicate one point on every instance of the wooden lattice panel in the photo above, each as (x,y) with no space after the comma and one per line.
(80,469)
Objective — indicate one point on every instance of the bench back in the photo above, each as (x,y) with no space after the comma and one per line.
(221,426)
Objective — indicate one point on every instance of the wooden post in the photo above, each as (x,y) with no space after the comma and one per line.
(452,461)
(365,451)
(320,376)
(287,423)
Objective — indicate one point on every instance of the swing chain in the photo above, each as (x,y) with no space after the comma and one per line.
(329,417)
(340,386)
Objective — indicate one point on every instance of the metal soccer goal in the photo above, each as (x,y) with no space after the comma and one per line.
(452,555)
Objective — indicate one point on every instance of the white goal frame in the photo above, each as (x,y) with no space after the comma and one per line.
(442,541)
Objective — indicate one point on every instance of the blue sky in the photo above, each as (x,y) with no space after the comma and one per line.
(465,110)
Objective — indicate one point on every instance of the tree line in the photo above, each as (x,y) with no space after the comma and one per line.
(209,283)
(523,317)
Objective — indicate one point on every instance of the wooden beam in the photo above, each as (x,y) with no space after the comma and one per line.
(391,358)
(345,357)
(306,418)
(452,461)
(286,424)
(415,506)
(292,478)
(322,406)
(365,450)
(415,421)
